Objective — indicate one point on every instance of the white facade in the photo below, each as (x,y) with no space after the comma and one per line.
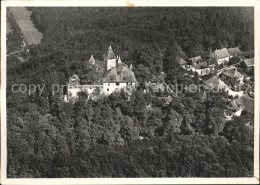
(106,89)
(109,88)
(74,89)
(111,63)
(220,61)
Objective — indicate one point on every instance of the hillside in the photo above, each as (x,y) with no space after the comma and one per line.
(114,136)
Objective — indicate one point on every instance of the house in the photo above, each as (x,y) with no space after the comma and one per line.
(117,76)
(232,76)
(234,52)
(203,69)
(215,83)
(181,62)
(201,65)
(247,64)
(195,60)
(221,55)
(242,104)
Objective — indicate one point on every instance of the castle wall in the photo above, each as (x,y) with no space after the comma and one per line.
(73,90)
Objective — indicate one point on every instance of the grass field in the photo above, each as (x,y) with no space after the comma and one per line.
(23,19)
(8,28)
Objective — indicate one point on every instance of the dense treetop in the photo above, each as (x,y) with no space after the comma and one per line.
(114,137)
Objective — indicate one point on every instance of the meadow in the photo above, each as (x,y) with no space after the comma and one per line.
(23,19)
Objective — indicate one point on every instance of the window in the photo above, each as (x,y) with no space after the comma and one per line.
(117,84)
(126,83)
(130,83)
(108,84)
(107,89)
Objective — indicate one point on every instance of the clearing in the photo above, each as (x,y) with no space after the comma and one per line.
(23,19)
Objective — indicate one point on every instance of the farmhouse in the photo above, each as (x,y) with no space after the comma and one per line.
(117,76)
(234,52)
(247,64)
(236,107)
(232,77)
(181,62)
(215,83)
(195,60)
(221,55)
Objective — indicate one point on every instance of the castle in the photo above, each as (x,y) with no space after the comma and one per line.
(117,76)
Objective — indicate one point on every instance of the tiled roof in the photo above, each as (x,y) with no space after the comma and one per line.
(249,62)
(245,102)
(201,65)
(181,61)
(234,51)
(220,53)
(119,74)
(248,103)
(109,54)
(195,59)
(233,73)
(237,104)
(120,63)
(215,83)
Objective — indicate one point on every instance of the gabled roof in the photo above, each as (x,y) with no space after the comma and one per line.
(245,102)
(237,104)
(195,59)
(181,61)
(220,53)
(249,62)
(215,83)
(233,73)
(119,74)
(109,54)
(201,65)
(234,51)
(248,103)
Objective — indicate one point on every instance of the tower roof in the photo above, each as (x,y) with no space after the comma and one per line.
(120,63)
(92,60)
(109,54)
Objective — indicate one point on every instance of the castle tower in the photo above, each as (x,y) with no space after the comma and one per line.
(110,58)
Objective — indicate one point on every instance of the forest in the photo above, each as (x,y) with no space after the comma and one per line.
(114,137)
